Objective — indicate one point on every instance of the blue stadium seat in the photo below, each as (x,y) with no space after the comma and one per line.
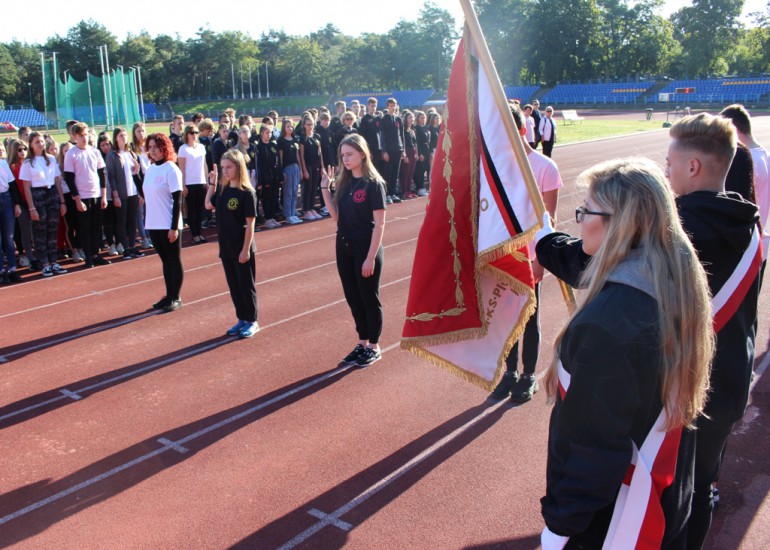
(22,117)
(718,90)
(601,93)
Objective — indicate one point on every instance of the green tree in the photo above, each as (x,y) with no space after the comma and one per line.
(9,77)
(26,60)
(78,52)
(506,26)
(439,33)
(708,30)
(566,41)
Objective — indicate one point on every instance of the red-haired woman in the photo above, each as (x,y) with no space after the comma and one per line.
(163,198)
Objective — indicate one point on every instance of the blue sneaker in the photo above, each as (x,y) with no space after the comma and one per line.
(249,330)
(236,328)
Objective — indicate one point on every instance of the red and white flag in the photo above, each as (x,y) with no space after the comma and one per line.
(472,287)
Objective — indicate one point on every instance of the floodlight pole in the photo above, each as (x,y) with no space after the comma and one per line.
(267,78)
(141,95)
(259,84)
(251,92)
(109,87)
(90,99)
(45,100)
(125,98)
(232,73)
(104,87)
(55,91)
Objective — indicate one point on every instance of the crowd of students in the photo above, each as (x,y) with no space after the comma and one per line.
(285,160)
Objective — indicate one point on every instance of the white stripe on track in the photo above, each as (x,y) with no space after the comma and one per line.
(206,266)
(334,517)
(175,445)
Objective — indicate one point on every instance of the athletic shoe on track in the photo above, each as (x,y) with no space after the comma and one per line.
(507,383)
(236,328)
(146,243)
(23,261)
(352,357)
(422,193)
(368,356)
(13,277)
(162,303)
(98,260)
(173,305)
(112,251)
(249,330)
(47,271)
(524,389)
(58,270)
(136,253)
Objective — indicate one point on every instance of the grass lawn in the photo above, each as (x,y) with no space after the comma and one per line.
(572,133)
(601,128)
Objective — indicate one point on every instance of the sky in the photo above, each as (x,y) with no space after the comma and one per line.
(296,17)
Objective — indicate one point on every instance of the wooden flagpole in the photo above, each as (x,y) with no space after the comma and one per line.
(485,58)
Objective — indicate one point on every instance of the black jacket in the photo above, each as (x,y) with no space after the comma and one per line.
(610,350)
(268,166)
(391,133)
(370,130)
(720,226)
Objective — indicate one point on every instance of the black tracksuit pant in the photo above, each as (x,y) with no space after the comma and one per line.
(391,169)
(240,280)
(171,257)
(90,227)
(530,341)
(362,293)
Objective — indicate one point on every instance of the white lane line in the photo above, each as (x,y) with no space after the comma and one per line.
(175,445)
(50,343)
(206,266)
(76,395)
(334,517)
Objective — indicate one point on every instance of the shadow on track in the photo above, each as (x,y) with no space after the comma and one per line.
(42,403)
(14,352)
(29,510)
(280,531)
(519,543)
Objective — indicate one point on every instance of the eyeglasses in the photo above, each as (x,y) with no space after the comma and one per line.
(581,211)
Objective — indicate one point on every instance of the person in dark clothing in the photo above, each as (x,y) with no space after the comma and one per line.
(408,167)
(740,177)
(311,161)
(123,172)
(724,230)
(328,150)
(175,134)
(628,377)
(392,142)
(536,116)
(236,205)
(358,207)
(434,126)
(422,136)
(369,127)
(269,175)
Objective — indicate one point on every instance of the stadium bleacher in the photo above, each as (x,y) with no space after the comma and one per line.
(405,98)
(22,117)
(717,90)
(603,93)
(522,93)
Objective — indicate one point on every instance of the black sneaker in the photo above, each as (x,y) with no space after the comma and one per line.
(173,305)
(162,303)
(368,356)
(36,266)
(127,254)
(524,389)
(13,277)
(98,260)
(507,382)
(396,199)
(136,253)
(352,357)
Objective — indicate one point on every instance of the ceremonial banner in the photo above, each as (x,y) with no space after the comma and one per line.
(472,288)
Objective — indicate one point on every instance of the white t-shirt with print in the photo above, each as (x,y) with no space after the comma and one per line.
(195,164)
(39,174)
(762,190)
(6,176)
(159,183)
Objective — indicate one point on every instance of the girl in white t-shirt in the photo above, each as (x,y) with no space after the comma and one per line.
(41,178)
(192,163)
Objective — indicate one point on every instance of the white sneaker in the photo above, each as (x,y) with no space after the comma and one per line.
(316,215)
(120,249)
(23,261)
(294,220)
(78,256)
(111,251)
(324,211)
(309,216)
(388,199)
(271,224)
(422,192)
(147,243)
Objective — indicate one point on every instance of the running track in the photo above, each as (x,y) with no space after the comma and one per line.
(121,428)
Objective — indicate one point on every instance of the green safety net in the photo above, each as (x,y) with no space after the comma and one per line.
(98,101)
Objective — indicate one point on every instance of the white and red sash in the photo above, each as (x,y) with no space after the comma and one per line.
(726,302)
(637,519)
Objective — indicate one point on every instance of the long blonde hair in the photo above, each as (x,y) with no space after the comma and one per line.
(242,175)
(644,216)
(368,171)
